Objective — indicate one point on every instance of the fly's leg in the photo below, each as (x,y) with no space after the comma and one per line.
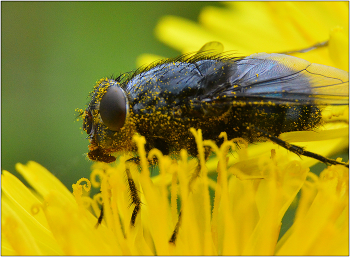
(197,172)
(194,176)
(134,195)
(299,150)
(135,199)
(173,237)
(100,218)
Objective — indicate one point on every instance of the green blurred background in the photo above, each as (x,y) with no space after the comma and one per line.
(52,55)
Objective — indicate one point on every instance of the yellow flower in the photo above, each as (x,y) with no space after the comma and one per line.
(47,219)
(244,217)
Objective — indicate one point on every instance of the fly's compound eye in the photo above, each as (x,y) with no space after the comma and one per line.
(113,108)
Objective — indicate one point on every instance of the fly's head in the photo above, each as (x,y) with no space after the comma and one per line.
(108,122)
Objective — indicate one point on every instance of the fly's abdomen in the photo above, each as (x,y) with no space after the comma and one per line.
(279,119)
(300,118)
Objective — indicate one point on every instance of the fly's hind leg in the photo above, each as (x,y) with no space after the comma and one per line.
(299,150)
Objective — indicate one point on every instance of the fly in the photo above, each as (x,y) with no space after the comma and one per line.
(257,97)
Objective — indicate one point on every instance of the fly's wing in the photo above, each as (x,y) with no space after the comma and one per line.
(281,79)
(212,47)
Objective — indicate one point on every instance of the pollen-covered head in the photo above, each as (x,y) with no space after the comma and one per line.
(106,120)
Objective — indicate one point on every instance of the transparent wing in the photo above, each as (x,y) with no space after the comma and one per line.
(281,79)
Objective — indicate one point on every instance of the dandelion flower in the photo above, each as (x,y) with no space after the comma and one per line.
(243,218)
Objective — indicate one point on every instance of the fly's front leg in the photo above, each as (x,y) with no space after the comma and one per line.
(135,200)
(134,195)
